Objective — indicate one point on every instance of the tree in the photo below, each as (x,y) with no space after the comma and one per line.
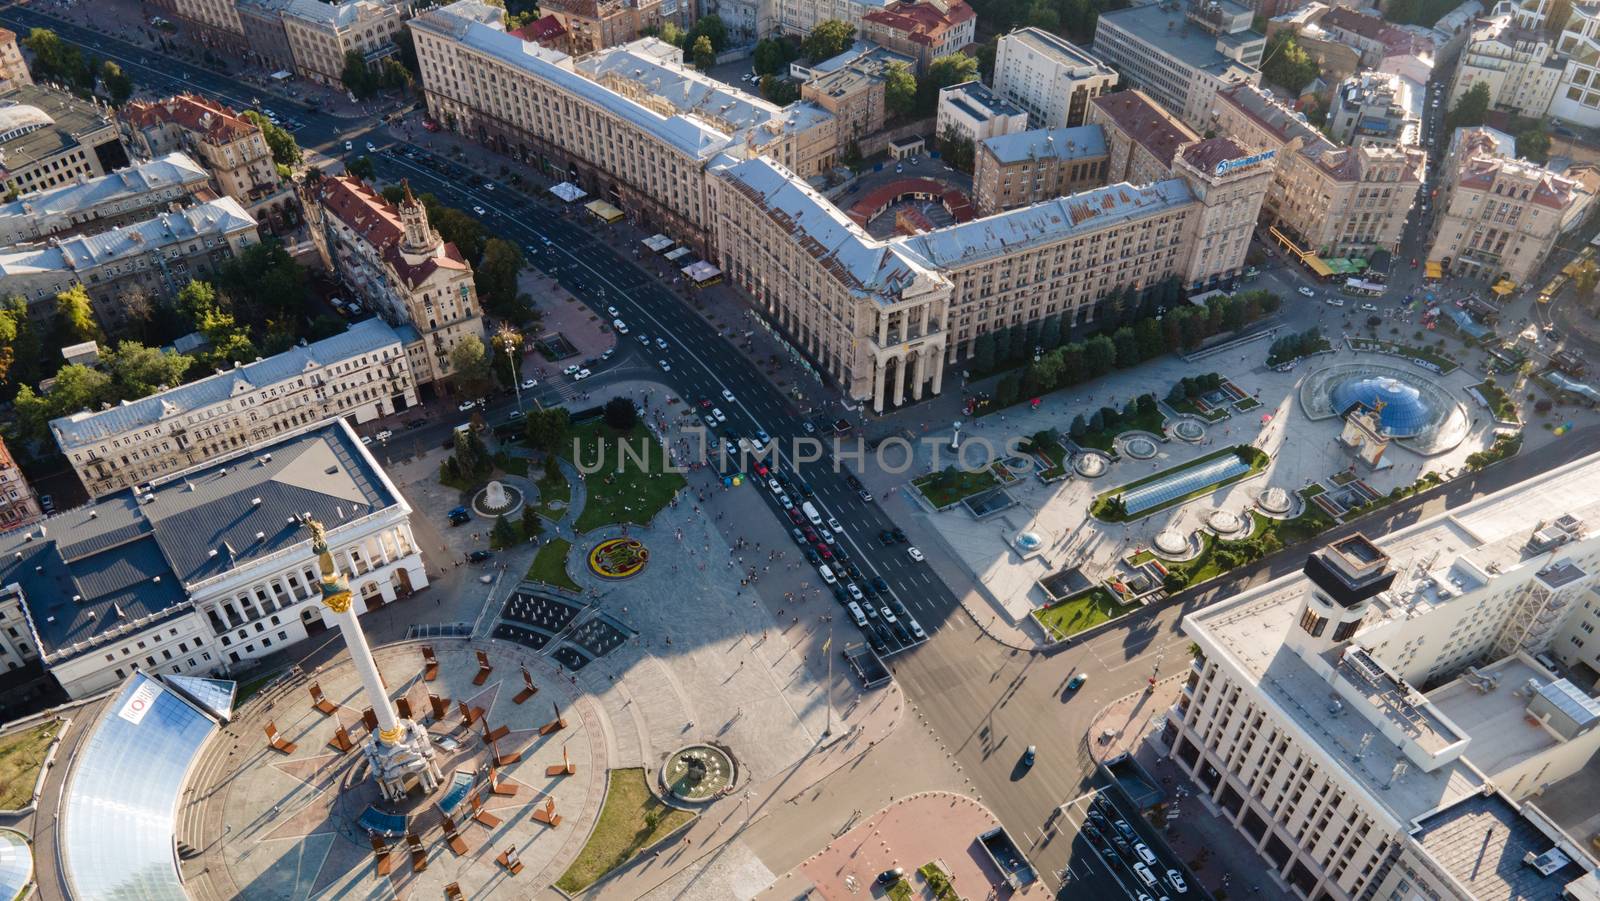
(1471,109)
(1100,355)
(57,60)
(1005,391)
(710,27)
(496,279)
(552,470)
(621,414)
(1074,368)
(957,149)
(285,151)
(1286,64)
(1097,421)
(771,56)
(1127,345)
(1050,333)
(983,352)
(1002,344)
(265,283)
(547,433)
(361,167)
(357,78)
(1079,427)
(1533,143)
(1148,333)
(469,364)
(502,534)
(532,525)
(117,83)
(781,91)
(75,317)
(828,39)
(704,55)
(899,90)
(1585,277)
(943,72)
(456,227)
(139,371)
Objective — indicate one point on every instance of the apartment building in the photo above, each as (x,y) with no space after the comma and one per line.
(18,504)
(1337,201)
(359,375)
(851,88)
(265,40)
(1519,65)
(230,146)
(320,34)
(391,258)
(1379,108)
(13,68)
(803,136)
(1364,722)
(1182,59)
(973,112)
(597,24)
(98,204)
(799,17)
(1497,216)
(922,30)
(214,23)
(207,569)
(1049,77)
(1033,166)
(154,257)
(49,137)
(1141,138)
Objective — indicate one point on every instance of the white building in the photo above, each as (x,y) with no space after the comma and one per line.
(206,569)
(1049,77)
(1377,108)
(1182,59)
(972,111)
(97,204)
(1331,712)
(1518,64)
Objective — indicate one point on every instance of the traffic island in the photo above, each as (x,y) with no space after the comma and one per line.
(1179,484)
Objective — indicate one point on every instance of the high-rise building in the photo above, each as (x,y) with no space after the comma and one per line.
(1049,77)
(1182,59)
(13,68)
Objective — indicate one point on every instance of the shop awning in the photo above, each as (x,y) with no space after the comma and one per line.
(1316,265)
(603,211)
(702,273)
(657,243)
(1435,270)
(678,254)
(568,191)
(1504,286)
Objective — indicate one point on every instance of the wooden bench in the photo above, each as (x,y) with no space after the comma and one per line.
(490,737)
(528,688)
(452,892)
(403,704)
(341,741)
(277,742)
(564,768)
(506,759)
(451,836)
(547,814)
(469,715)
(441,706)
(484,669)
(320,703)
(382,855)
(511,864)
(430,664)
(481,816)
(509,791)
(419,854)
(555,725)
(370,718)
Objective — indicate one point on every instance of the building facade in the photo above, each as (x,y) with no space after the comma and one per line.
(399,266)
(214,23)
(212,566)
(359,375)
(1497,216)
(1376,108)
(153,258)
(13,68)
(597,24)
(231,147)
(50,138)
(1035,166)
(922,30)
(1519,65)
(853,92)
(1182,59)
(265,40)
(972,112)
(1337,201)
(320,34)
(99,204)
(1049,77)
(1141,138)
(18,504)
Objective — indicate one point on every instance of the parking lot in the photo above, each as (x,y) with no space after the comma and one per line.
(1116,854)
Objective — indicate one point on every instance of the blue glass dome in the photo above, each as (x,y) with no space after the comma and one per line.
(1404,414)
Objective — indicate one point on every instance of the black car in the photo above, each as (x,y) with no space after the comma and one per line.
(839,594)
(459,515)
(812,557)
(805,488)
(880,585)
(886,537)
(900,536)
(479,556)
(877,642)
(852,481)
(901,632)
(855,572)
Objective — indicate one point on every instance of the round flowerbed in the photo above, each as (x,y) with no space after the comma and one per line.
(618,558)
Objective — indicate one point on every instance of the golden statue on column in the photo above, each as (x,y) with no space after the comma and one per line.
(401,752)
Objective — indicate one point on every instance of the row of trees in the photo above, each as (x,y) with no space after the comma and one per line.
(1297,345)
(1286,64)
(1192,386)
(57,61)
(363,80)
(1110,418)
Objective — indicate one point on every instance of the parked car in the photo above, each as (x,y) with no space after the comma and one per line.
(479,556)
(458,516)
(1076,682)
(915,554)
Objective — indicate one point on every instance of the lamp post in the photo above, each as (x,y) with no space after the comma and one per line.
(509,340)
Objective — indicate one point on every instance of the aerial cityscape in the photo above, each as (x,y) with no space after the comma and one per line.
(1129,450)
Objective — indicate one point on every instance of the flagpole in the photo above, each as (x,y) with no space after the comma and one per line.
(827,687)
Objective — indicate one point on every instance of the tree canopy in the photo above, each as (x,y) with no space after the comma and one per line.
(1471,109)
(496,279)
(900,90)
(470,362)
(704,55)
(828,39)
(1286,64)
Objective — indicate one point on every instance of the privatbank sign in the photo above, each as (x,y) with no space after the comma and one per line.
(1226,166)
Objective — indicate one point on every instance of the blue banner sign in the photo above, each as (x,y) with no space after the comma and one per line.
(1227,166)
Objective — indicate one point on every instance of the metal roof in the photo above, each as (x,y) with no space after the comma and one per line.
(1078,142)
(1571,700)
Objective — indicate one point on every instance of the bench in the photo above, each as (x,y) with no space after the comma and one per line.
(430,664)
(320,703)
(277,742)
(484,669)
(382,855)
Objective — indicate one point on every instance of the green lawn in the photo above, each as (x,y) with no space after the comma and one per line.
(938,882)
(21,756)
(631,820)
(1081,611)
(1268,535)
(554,490)
(1104,510)
(621,489)
(899,891)
(550,565)
(1246,403)
(1151,422)
(1500,403)
(517,466)
(1214,414)
(942,489)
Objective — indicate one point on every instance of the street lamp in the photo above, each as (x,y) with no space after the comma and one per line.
(509,340)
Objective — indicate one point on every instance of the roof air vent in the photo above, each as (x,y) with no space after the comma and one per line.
(94,514)
(261,536)
(156,579)
(211,553)
(255,502)
(149,498)
(77,598)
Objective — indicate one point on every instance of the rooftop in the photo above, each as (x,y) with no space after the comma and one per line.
(1195,47)
(1053,45)
(1145,122)
(1481,842)
(193,113)
(976,100)
(1501,736)
(134,181)
(221,216)
(90,427)
(337,15)
(70,121)
(922,22)
(1078,142)
(125,562)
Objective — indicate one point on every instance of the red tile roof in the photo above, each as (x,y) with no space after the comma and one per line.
(921,22)
(540,31)
(1146,123)
(377,222)
(191,113)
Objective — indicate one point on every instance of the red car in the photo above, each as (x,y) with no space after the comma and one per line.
(705,403)
(795,517)
(761,469)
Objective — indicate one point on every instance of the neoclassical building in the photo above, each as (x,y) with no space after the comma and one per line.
(203,570)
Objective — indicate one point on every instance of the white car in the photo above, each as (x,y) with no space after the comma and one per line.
(1370,308)
(529,383)
(915,554)
(1335,301)
(385,435)
(488,186)
(582,374)
(834,525)
(888,615)
(467,406)
(1176,879)
(645,340)
(349,146)
(716,413)
(662,343)
(855,592)
(479,211)
(366,440)
(620,326)
(665,366)
(916,628)
(571,370)
(370,148)
(1144,852)
(727,395)
(612,312)
(825,535)
(1306,291)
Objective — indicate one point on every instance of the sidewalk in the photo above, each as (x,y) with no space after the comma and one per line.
(1214,851)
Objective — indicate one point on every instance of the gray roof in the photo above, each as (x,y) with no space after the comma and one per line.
(1078,142)
(1044,223)
(127,560)
(1193,46)
(88,427)
(172,169)
(80,253)
(72,119)
(978,101)
(1054,45)
(1481,840)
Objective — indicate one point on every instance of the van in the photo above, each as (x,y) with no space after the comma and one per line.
(1145,876)
(811,513)
(857,615)
(827,574)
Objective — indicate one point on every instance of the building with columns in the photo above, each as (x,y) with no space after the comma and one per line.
(1342,717)
(203,570)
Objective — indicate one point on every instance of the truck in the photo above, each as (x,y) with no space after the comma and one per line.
(811,513)
(1006,855)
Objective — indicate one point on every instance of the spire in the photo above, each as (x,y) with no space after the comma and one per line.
(406,184)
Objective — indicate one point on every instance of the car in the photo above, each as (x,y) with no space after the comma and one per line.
(1144,852)
(826,572)
(879,585)
(515,415)
(479,556)
(385,435)
(891,876)
(762,438)
(761,468)
(479,211)
(1028,755)
(899,169)
(581,374)
(776,489)
(458,516)
(349,146)
(885,537)
(810,429)
(888,615)
(899,536)
(855,592)
(727,395)
(1076,682)
(529,383)
(1176,878)
(366,440)
(834,525)
(804,486)
(1370,308)
(826,535)
(795,516)
(718,415)
(1306,291)
(665,366)
(571,370)
(914,553)
(645,340)
(852,481)
(1335,301)
(662,343)
(612,312)
(916,629)
(866,496)
(467,406)
(812,557)
(1144,874)
(620,326)
(488,186)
